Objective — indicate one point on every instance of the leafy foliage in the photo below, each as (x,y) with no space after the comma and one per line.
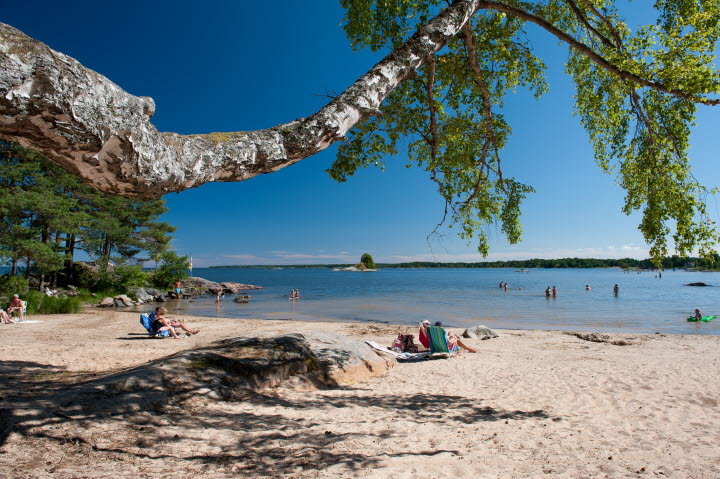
(367,260)
(46,215)
(172,268)
(118,279)
(10,285)
(636,96)
(39,303)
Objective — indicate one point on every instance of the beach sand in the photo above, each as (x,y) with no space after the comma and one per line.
(528,404)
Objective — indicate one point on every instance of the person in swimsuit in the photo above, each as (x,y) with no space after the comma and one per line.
(162,323)
(16,304)
(453,340)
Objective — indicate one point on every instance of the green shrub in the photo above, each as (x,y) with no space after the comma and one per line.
(39,303)
(172,268)
(10,285)
(118,279)
(56,305)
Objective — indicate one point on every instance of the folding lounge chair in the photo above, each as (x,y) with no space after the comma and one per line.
(147,320)
(438,342)
(24,311)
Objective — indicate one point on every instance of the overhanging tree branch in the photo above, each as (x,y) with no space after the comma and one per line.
(84,122)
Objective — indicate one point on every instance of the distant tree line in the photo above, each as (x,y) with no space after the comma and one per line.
(47,217)
(669,262)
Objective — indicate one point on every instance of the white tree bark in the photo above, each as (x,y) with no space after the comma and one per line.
(81,120)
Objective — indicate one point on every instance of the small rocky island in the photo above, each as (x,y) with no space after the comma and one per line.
(366,264)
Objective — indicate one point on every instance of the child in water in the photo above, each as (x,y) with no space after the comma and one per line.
(698,315)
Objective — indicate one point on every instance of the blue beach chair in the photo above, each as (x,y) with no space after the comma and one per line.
(438,342)
(148,320)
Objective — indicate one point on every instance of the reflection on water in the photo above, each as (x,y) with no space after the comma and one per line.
(464,297)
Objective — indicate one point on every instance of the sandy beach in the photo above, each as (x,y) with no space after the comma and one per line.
(528,404)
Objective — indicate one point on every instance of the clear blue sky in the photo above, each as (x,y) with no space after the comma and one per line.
(229,66)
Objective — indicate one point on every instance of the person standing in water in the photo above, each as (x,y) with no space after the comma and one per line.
(587,287)
(616,289)
(698,315)
(554,291)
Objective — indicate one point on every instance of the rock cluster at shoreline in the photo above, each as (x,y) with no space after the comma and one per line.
(192,286)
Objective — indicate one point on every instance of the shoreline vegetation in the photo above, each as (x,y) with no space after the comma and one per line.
(671,262)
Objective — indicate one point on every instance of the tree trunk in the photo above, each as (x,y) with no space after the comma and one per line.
(70,259)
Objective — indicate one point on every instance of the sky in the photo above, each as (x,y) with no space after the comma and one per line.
(251,64)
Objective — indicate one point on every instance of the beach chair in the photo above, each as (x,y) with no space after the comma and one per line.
(438,342)
(147,320)
(24,311)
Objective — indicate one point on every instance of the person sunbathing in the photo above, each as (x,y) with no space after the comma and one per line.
(453,340)
(5,318)
(16,304)
(162,323)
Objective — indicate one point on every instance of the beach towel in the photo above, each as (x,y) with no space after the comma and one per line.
(439,342)
(399,356)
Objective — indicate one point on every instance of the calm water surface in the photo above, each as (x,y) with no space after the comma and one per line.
(465,297)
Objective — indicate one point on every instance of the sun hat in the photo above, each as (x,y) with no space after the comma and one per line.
(424,321)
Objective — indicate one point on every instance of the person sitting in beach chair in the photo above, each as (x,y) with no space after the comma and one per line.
(17,305)
(445,342)
(162,323)
(423,335)
(149,323)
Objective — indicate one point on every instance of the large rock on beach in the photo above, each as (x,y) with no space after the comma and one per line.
(122,300)
(142,295)
(479,332)
(106,302)
(230,370)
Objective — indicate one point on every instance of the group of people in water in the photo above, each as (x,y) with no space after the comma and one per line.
(552,292)
(15,305)
(294,294)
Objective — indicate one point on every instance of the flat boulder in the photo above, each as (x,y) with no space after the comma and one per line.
(233,288)
(106,302)
(697,284)
(196,285)
(479,332)
(228,370)
(122,300)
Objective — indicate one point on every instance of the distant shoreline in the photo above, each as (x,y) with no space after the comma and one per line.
(670,263)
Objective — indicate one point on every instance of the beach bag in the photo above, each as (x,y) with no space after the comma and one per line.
(404,343)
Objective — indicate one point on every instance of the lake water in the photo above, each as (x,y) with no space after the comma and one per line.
(466,297)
